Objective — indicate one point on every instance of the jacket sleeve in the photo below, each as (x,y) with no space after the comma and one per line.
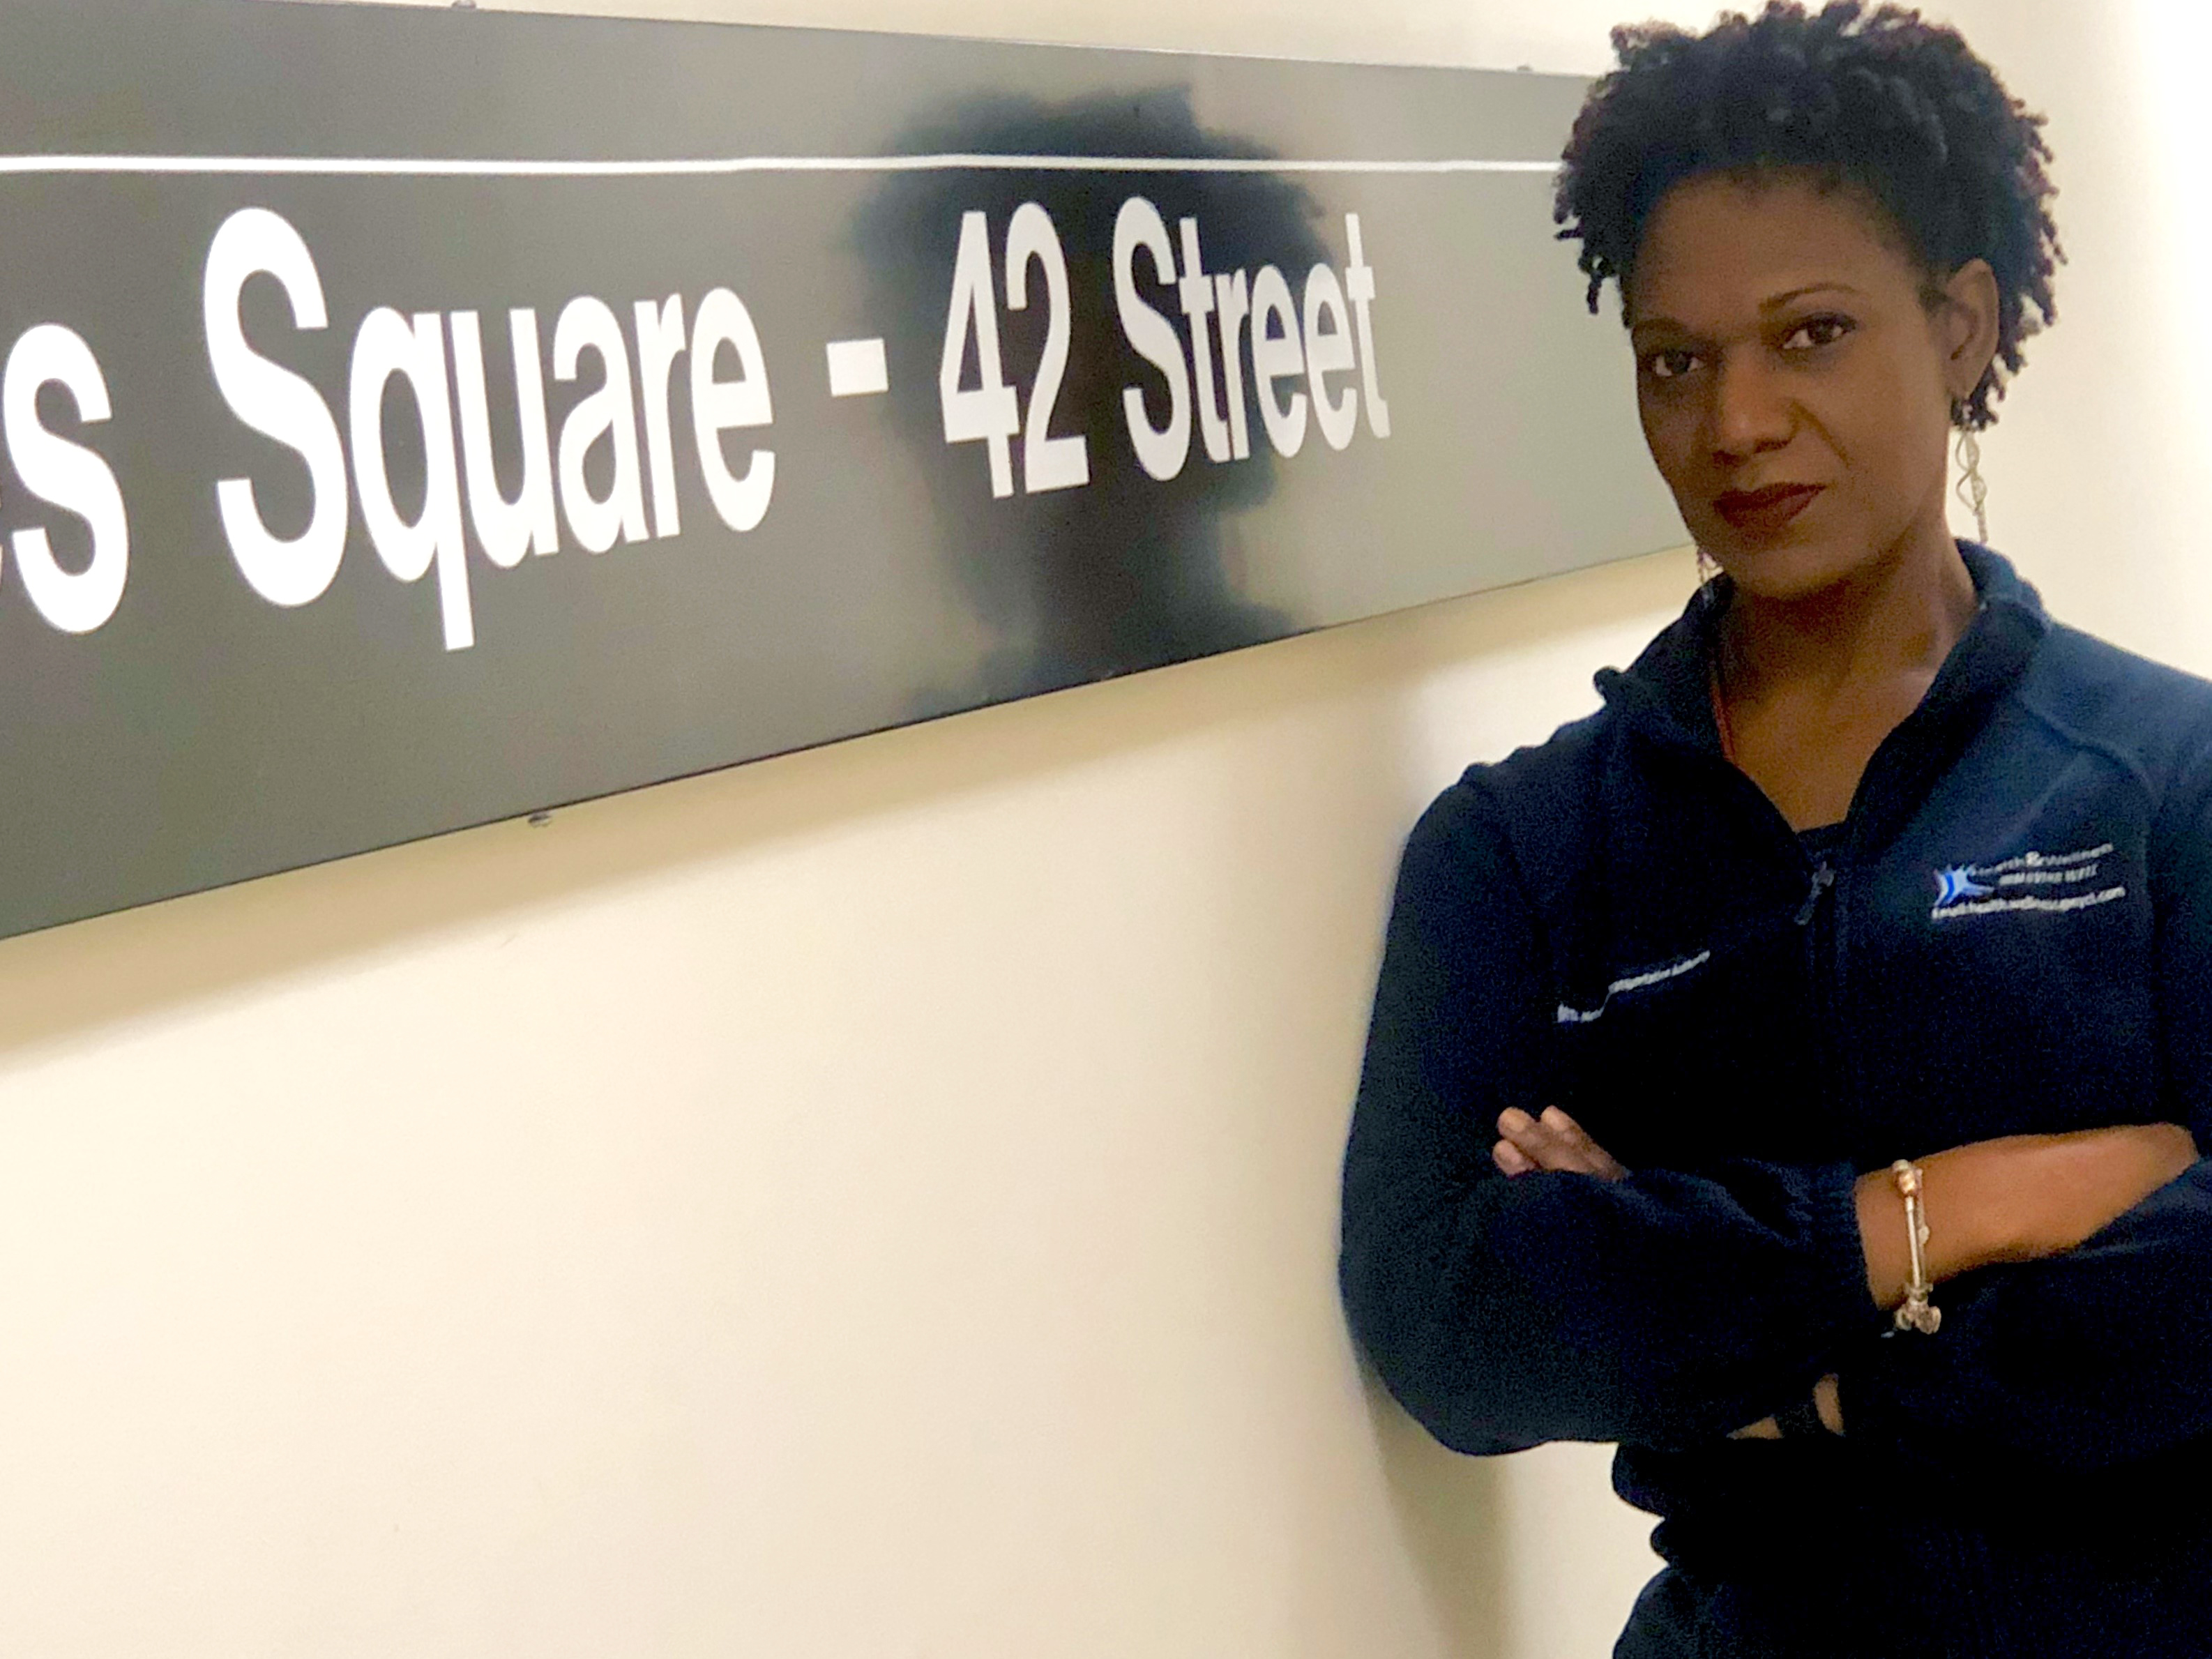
(1660,1310)
(2089,1361)
(2102,1357)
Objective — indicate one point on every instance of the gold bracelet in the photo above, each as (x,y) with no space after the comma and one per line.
(1918,1314)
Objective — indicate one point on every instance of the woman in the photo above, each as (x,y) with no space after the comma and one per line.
(1865,860)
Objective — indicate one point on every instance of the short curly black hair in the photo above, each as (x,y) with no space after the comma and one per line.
(1875,97)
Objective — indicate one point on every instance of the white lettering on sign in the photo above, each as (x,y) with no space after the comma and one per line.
(1307,356)
(1160,449)
(438,358)
(588,324)
(1198,303)
(1359,285)
(1328,350)
(278,403)
(390,347)
(64,475)
(1232,304)
(857,368)
(1047,463)
(660,344)
(989,412)
(985,413)
(1277,354)
(719,406)
(1292,345)
(505,529)
(1243,317)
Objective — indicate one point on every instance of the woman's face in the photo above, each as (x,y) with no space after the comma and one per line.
(1795,382)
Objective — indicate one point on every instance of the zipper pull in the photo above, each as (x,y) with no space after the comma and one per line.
(1824,878)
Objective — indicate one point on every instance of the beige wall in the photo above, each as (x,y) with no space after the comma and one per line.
(880,1203)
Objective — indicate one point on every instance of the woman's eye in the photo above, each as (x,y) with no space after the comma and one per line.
(1670,364)
(1817,331)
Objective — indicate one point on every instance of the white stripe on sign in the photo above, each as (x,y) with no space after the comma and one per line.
(857,368)
(440,167)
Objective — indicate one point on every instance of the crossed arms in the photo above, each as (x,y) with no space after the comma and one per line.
(1513,1283)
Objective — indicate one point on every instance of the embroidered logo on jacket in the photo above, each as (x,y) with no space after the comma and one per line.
(1956,883)
(1633,982)
(2055,882)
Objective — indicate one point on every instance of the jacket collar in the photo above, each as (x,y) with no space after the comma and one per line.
(1666,694)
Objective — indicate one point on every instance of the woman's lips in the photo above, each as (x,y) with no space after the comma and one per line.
(1761,514)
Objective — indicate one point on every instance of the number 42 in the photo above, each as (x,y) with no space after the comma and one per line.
(987,412)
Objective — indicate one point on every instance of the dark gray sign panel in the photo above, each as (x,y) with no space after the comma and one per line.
(413,418)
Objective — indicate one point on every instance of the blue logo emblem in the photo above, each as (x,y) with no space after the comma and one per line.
(1957,883)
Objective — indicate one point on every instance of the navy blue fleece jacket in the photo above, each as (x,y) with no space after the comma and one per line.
(2013,935)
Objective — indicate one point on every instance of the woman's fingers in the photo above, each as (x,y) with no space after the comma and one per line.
(1593,1158)
(1523,1148)
(1826,1401)
(1553,1141)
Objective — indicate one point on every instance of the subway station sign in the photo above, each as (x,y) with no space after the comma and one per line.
(414,418)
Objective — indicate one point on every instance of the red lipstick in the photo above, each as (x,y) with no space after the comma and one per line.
(1762,514)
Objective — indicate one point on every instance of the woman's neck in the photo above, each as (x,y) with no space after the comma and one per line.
(1901,612)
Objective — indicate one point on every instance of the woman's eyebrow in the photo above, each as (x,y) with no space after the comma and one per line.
(1795,294)
(1776,302)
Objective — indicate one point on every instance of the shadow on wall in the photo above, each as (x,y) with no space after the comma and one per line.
(1451,1516)
(1080,559)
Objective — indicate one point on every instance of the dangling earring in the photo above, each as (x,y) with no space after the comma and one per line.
(1707,568)
(1972,489)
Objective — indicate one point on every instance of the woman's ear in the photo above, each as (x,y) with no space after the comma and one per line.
(1969,326)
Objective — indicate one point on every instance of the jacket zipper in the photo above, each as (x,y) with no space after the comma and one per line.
(1823,953)
(1824,878)
(1821,971)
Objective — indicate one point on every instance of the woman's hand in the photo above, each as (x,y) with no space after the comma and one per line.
(1553,1141)
(1826,1400)
(1556,1141)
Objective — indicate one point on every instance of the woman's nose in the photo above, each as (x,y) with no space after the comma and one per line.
(1750,413)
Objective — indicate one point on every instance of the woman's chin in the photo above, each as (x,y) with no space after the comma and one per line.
(1787,572)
